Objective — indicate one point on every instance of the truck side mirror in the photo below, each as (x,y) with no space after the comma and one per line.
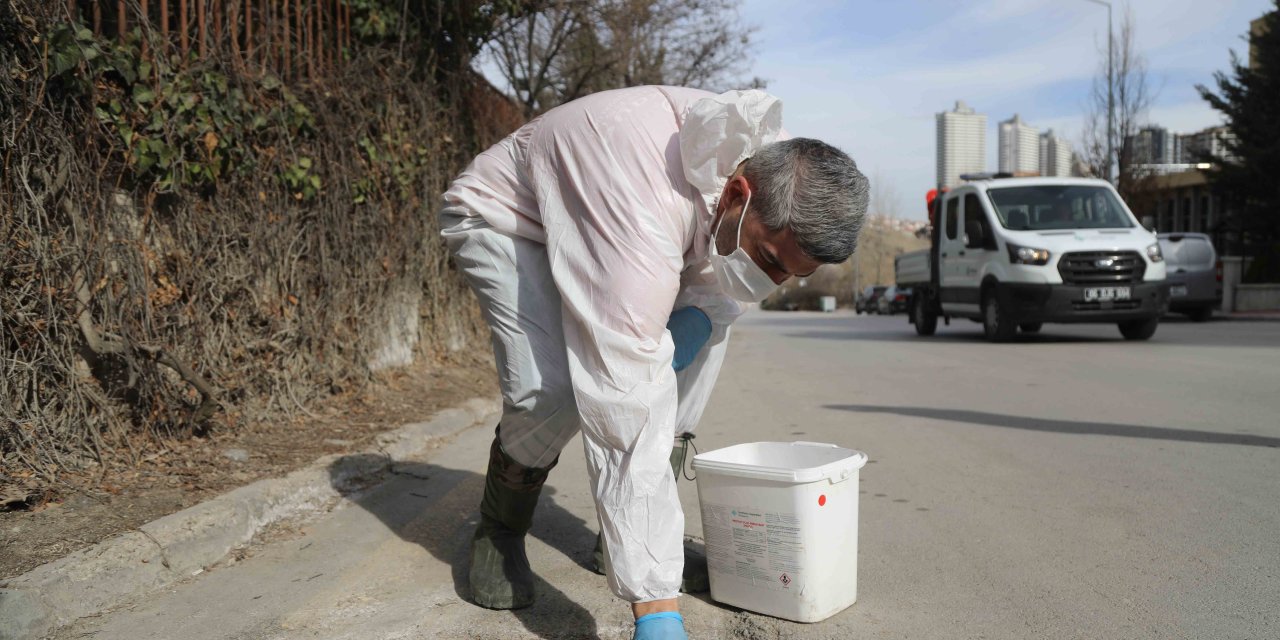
(1149,223)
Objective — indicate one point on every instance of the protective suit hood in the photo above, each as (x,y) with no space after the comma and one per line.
(719,132)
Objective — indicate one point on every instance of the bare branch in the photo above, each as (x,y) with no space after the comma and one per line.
(1132,98)
(569,48)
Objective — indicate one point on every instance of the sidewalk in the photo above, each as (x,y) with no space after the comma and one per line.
(389,560)
(132,566)
(1249,316)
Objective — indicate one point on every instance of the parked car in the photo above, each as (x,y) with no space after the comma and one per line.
(1194,276)
(894,300)
(868,299)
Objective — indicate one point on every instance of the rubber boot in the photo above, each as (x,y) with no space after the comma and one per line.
(694,579)
(500,573)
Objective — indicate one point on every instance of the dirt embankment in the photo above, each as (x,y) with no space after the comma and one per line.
(218,254)
(91,505)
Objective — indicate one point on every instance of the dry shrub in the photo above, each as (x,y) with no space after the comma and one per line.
(129,308)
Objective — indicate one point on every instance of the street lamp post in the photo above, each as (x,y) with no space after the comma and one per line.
(1111,100)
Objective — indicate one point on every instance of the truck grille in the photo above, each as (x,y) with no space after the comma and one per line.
(1102,267)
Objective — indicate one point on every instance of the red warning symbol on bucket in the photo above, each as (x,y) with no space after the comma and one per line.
(822,500)
(785,579)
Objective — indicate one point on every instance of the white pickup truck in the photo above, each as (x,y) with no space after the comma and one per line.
(1014,253)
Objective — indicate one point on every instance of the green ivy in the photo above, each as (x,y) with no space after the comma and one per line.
(298,177)
(374,19)
(395,162)
(178,126)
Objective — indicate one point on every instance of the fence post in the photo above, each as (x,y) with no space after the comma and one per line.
(298,41)
(249,48)
(1232,272)
(264,17)
(120,20)
(203,25)
(284,41)
(145,21)
(311,41)
(183,36)
(233,23)
(322,58)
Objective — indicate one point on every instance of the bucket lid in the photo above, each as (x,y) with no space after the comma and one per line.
(787,462)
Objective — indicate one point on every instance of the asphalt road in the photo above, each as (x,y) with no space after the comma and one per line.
(1069,485)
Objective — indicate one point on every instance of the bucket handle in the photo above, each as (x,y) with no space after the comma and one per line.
(845,474)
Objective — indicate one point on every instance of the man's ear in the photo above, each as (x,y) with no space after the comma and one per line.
(735,191)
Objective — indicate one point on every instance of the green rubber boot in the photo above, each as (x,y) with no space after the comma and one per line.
(500,573)
(694,579)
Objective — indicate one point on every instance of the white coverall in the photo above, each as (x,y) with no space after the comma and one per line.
(580,234)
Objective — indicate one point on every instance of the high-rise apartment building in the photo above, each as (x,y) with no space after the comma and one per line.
(1055,155)
(962,144)
(1206,146)
(1152,145)
(1019,147)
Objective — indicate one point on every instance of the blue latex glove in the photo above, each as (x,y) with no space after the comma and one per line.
(690,329)
(667,625)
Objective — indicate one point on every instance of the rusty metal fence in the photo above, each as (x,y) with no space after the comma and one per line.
(293,38)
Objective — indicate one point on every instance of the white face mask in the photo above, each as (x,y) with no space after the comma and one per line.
(737,274)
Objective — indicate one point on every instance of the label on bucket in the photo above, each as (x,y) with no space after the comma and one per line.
(759,548)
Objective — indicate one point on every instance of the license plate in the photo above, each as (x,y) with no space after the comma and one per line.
(1105,294)
(1178,291)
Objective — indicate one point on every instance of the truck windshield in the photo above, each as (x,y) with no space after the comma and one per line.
(1049,207)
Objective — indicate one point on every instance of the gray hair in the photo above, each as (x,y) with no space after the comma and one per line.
(813,188)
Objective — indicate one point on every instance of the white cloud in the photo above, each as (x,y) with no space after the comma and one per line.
(869,76)
(1187,117)
(877,101)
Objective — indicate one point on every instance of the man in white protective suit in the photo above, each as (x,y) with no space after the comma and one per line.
(611,243)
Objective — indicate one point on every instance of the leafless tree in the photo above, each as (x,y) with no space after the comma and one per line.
(566,49)
(874,249)
(530,50)
(1132,97)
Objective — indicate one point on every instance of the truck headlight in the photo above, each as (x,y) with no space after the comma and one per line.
(1027,255)
(1154,253)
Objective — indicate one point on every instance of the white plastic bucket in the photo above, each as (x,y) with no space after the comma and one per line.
(827,303)
(780,520)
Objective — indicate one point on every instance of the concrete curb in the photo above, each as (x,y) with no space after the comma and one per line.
(179,545)
(1249,317)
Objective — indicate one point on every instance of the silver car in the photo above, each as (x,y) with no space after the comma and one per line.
(1192,273)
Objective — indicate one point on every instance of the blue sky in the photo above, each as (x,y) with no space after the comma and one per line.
(869,75)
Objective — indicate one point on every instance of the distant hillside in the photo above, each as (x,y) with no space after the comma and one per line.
(882,238)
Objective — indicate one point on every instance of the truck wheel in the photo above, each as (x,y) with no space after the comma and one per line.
(925,319)
(1031,327)
(1139,329)
(995,322)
